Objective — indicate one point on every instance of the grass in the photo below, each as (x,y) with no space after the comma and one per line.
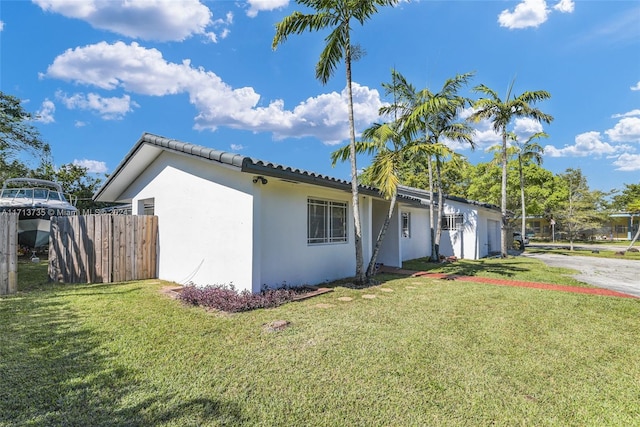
(431,352)
(513,268)
(598,253)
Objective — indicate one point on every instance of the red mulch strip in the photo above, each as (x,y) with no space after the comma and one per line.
(534,285)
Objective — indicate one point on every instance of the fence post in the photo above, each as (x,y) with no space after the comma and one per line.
(8,253)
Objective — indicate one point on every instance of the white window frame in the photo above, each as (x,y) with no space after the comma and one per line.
(147,206)
(452,222)
(406,224)
(327,230)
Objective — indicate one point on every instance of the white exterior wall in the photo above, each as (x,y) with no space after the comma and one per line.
(472,240)
(390,251)
(460,243)
(216,226)
(205,220)
(285,254)
(418,244)
(488,232)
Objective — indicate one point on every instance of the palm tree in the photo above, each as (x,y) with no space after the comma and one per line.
(500,113)
(436,115)
(391,145)
(388,147)
(337,14)
(529,151)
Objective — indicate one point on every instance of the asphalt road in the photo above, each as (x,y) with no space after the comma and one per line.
(620,275)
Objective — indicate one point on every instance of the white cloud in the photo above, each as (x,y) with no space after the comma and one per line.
(161,20)
(626,130)
(1,25)
(631,113)
(586,144)
(93,166)
(532,13)
(486,137)
(45,114)
(237,147)
(256,6)
(108,108)
(565,6)
(223,28)
(528,13)
(636,87)
(136,69)
(80,124)
(627,162)
(525,127)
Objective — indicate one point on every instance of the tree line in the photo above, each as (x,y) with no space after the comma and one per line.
(20,140)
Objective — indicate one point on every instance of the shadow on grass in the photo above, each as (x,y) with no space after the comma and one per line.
(500,266)
(506,268)
(56,371)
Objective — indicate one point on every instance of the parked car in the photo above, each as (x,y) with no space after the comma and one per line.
(517,239)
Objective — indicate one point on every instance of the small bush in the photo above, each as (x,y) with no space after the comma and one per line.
(227,298)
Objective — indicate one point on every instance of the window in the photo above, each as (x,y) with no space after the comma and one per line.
(146,207)
(406,224)
(452,221)
(326,221)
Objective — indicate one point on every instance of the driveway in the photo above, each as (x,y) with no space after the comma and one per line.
(620,275)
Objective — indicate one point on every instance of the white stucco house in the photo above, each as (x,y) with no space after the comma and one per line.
(470,229)
(225,218)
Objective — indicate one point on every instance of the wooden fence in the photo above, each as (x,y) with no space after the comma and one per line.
(8,253)
(103,248)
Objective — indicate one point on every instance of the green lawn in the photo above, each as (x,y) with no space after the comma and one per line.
(429,353)
(599,253)
(513,268)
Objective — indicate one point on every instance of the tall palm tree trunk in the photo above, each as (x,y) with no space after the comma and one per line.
(434,248)
(357,224)
(371,270)
(503,207)
(524,209)
(438,182)
(634,237)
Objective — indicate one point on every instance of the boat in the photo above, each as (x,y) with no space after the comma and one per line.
(35,201)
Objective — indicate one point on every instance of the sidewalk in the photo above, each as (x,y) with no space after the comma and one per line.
(506,282)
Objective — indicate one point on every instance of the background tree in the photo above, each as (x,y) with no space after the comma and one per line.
(11,168)
(583,209)
(501,113)
(76,182)
(630,194)
(336,14)
(17,134)
(526,152)
(629,201)
(437,115)
(634,210)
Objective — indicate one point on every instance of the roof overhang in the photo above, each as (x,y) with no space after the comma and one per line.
(150,146)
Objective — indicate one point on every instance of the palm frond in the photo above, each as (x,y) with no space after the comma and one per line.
(342,154)
(384,172)
(332,53)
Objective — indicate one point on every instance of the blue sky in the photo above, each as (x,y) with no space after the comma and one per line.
(99,73)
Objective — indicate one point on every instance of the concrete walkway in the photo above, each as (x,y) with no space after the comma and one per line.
(617,274)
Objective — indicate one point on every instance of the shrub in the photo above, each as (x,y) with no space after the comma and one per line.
(227,298)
